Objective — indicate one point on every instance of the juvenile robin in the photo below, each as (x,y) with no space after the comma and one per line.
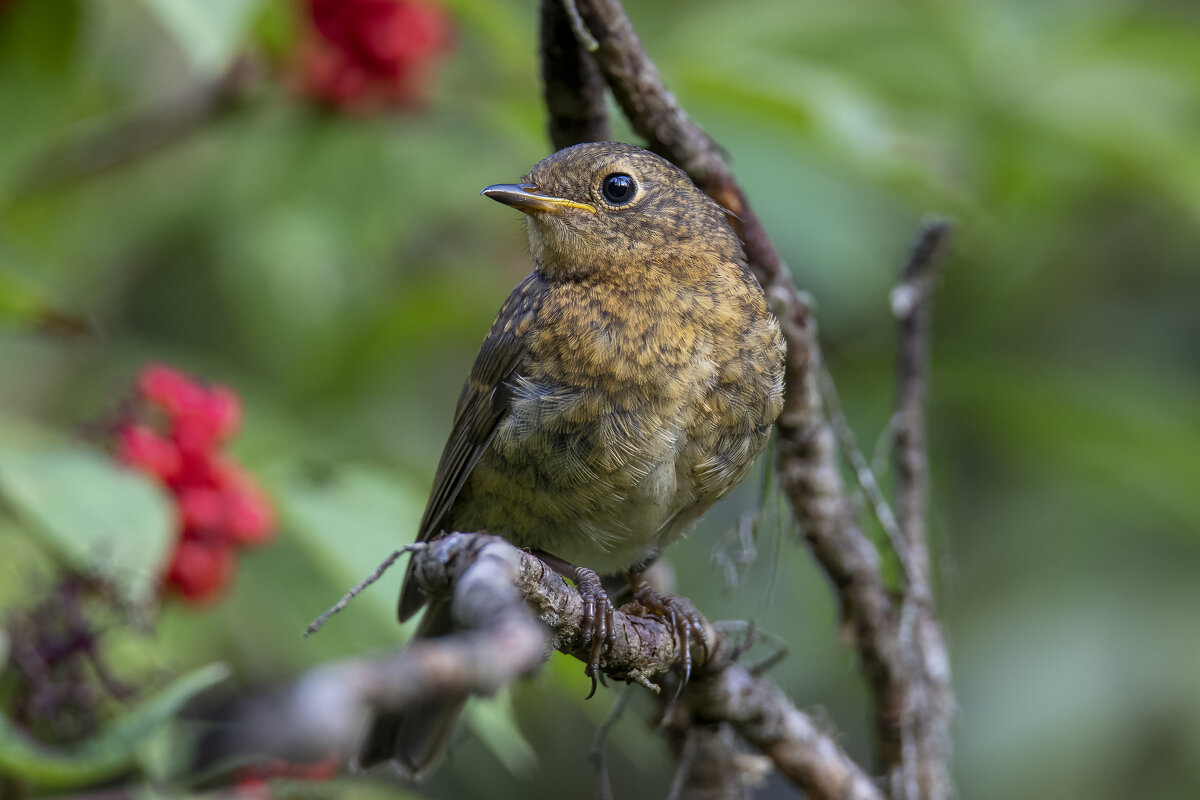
(627,384)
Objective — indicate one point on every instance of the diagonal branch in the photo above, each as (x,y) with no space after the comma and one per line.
(646,647)
(908,679)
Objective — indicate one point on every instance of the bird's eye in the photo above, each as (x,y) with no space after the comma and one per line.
(618,188)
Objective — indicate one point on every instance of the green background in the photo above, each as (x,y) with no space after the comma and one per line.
(340,271)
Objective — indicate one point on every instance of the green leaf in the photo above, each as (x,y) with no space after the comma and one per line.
(94,513)
(348,523)
(110,752)
(208,32)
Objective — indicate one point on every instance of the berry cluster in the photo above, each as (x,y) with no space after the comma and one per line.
(176,435)
(367,55)
(254,779)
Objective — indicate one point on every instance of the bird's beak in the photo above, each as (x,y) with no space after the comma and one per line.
(524,197)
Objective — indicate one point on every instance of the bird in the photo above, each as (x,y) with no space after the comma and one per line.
(628,383)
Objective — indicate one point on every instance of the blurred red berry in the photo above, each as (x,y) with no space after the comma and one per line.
(169,389)
(221,506)
(224,411)
(254,779)
(141,447)
(202,509)
(250,516)
(200,569)
(371,54)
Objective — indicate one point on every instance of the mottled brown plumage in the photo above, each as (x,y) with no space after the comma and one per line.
(627,384)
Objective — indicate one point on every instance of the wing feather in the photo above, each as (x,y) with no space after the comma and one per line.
(484,401)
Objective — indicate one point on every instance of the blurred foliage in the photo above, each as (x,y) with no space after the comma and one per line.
(340,271)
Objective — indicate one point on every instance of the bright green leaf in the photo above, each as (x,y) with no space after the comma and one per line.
(349,522)
(208,32)
(92,512)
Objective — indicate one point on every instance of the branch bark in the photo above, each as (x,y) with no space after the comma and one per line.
(571,85)
(901,651)
(929,699)
(510,608)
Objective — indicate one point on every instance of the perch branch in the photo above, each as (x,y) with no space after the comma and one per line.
(494,587)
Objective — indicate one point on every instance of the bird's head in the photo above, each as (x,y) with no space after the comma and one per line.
(607,208)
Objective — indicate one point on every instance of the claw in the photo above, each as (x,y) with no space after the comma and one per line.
(597,623)
(597,627)
(686,623)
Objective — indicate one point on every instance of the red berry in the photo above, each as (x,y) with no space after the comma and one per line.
(202,509)
(210,417)
(169,389)
(141,447)
(224,410)
(371,53)
(251,516)
(201,569)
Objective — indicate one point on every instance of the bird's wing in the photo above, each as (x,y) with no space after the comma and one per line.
(483,403)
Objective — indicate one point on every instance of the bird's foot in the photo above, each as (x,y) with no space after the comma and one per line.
(678,612)
(597,626)
(597,622)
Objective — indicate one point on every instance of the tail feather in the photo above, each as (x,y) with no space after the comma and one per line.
(415,739)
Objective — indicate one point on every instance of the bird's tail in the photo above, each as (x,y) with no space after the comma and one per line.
(414,739)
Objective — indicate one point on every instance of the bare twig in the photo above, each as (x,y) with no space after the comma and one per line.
(862,470)
(925,772)
(687,757)
(320,621)
(600,743)
(912,306)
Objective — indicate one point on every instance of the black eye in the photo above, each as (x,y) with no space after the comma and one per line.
(618,188)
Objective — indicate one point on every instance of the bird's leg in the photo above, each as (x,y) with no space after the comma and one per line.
(678,612)
(597,611)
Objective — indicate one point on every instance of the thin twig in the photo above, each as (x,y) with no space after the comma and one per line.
(320,621)
(925,735)
(597,753)
(586,40)
(687,754)
(862,471)
(912,306)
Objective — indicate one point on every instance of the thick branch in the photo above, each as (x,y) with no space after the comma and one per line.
(494,586)
(571,85)
(800,749)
